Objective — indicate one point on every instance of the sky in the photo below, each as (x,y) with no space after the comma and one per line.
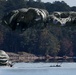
(69,2)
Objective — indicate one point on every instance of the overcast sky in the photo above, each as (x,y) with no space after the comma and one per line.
(69,2)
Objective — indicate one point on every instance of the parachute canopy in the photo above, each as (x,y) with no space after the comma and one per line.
(28,17)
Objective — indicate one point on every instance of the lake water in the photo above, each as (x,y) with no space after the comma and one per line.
(39,69)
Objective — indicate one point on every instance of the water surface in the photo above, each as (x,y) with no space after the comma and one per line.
(39,69)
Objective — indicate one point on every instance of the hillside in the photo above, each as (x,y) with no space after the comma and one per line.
(52,40)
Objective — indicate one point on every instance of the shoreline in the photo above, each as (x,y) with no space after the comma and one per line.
(28,57)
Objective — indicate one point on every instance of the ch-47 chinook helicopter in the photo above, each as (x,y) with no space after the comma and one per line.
(28,17)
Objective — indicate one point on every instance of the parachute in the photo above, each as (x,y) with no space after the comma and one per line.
(25,18)
(28,17)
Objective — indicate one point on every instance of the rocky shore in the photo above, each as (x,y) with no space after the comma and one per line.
(28,57)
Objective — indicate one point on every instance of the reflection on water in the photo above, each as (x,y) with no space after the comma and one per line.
(39,69)
(56,60)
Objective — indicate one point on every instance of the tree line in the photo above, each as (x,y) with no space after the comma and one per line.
(52,40)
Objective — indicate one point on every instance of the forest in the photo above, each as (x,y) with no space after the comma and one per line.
(52,40)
